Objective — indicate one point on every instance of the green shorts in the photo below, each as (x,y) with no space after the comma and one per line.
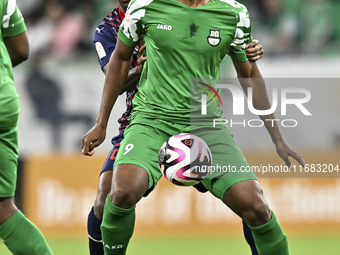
(143,139)
(9,112)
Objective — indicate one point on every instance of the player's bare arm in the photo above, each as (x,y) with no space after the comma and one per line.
(18,48)
(115,80)
(254,51)
(250,77)
(134,73)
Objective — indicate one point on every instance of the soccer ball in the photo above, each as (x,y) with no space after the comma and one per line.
(185,159)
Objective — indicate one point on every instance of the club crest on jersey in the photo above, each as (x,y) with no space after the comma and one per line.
(214,38)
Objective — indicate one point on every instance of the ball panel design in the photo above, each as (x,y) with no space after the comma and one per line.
(185,159)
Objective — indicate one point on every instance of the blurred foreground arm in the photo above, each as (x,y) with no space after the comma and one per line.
(18,48)
(14,34)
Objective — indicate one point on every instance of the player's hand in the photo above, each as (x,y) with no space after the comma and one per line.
(92,139)
(254,51)
(140,57)
(285,151)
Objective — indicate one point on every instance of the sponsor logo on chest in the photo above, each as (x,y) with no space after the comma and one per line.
(164,27)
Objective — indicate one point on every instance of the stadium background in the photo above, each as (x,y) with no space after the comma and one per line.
(57,185)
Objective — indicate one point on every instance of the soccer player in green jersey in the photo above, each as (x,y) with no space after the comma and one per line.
(19,234)
(185,39)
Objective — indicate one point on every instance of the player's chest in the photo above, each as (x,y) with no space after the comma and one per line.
(200,31)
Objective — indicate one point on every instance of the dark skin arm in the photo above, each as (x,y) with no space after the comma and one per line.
(250,77)
(134,73)
(115,80)
(18,48)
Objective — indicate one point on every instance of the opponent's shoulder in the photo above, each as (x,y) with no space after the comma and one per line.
(113,18)
(109,26)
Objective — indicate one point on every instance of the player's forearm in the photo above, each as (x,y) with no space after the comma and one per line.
(132,79)
(261,102)
(114,82)
(250,77)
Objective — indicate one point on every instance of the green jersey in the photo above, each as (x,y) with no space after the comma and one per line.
(12,24)
(183,44)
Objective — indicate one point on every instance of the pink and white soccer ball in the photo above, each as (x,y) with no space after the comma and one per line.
(185,159)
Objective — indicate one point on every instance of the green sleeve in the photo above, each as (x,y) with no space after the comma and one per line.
(242,37)
(131,28)
(238,55)
(15,26)
(127,41)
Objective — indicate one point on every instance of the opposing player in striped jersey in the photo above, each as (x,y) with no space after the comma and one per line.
(105,38)
(19,234)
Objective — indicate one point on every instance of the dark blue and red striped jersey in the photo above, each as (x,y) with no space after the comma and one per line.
(105,39)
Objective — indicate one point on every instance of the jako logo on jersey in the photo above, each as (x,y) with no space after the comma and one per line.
(209,93)
(113,247)
(164,27)
(214,38)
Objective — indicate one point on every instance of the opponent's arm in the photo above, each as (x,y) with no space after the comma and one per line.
(250,77)
(115,80)
(18,48)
